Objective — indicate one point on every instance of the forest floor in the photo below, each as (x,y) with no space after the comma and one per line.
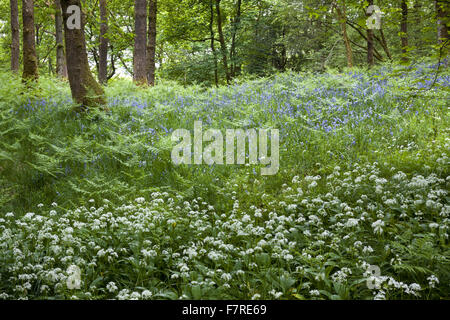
(92,206)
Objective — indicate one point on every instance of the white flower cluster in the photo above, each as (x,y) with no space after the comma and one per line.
(170,246)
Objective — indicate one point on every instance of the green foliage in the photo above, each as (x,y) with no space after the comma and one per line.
(272,36)
(363,180)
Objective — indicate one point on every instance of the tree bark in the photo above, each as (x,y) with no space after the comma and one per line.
(151,48)
(103,48)
(342,16)
(140,42)
(30,64)
(61,65)
(38,40)
(442,11)
(213,48)
(222,42)
(85,89)
(404,30)
(284,59)
(370,43)
(15,41)
(50,67)
(112,63)
(236,23)
(384,44)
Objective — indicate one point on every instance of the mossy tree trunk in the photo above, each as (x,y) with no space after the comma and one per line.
(404,30)
(103,49)
(213,48)
(140,42)
(61,65)
(30,63)
(442,12)
(85,89)
(223,45)
(151,46)
(15,36)
(370,43)
(234,31)
(342,16)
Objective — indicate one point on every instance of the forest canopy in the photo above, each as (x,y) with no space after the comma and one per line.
(215,41)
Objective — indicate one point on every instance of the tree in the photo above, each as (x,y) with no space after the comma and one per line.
(223,46)
(15,35)
(30,64)
(85,89)
(370,43)
(342,16)
(140,42)
(384,44)
(213,48)
(61,65)
(103,48)
(442,13)
(404,30)
(151,46)
(236,24)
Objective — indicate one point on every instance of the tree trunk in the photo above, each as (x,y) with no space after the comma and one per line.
(103,49)
(284,59)
(61,65)
(236,23)
(442,12)
(404,30)
(15,43)
(112,63)
(140,42)
(213,48)
(151,48)
(30,65)
(38,40)
(370,43)
(50,67)
(85,89)
(342,16)
(384,44)
(222,42)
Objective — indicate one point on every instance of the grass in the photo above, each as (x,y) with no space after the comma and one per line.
(363,180)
